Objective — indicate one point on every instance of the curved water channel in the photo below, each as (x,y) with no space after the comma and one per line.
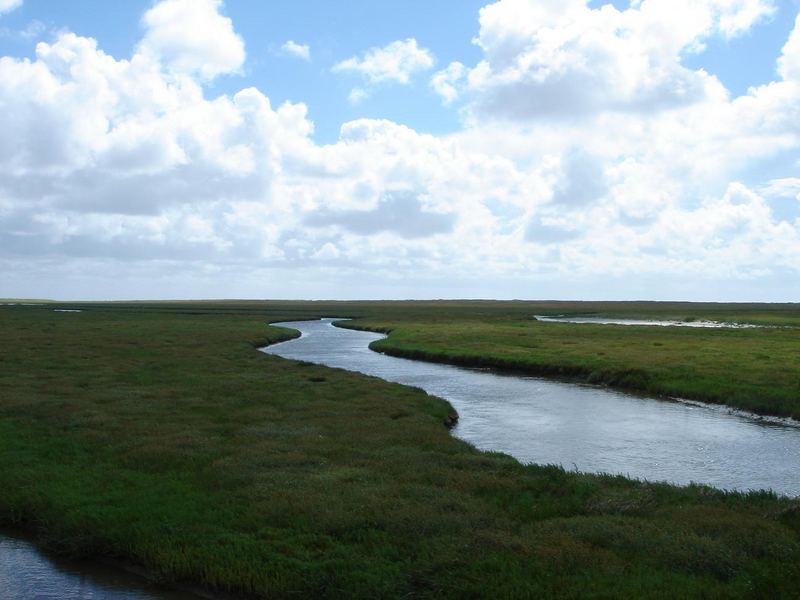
(583,427)
(28,573)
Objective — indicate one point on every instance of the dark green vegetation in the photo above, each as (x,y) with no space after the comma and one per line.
(157,434)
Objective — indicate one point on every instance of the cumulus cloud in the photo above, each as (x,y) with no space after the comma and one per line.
(9,5)
(447,82)
(550,230)
(292,48)
(133,164)
(357,94)
(733,18)
(786,187)
(127,158)
(398,212)
(789,62)
(547,58)
(192,37)
(394,63)
(581,180)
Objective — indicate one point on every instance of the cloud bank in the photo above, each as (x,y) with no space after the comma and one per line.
(133,166)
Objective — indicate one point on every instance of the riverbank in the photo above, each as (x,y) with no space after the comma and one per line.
(751,369)
(161,436)
(585,428)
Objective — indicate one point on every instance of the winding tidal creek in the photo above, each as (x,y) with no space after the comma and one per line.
(583,427)
(535,420)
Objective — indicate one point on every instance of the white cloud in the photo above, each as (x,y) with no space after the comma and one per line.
(547,58)
(134,165)
(119,158)
(9,5)
(292,48)
(735,17)
(394,63)
(356,95)
(192,37)
(446,82)
(789,62)
(786,187)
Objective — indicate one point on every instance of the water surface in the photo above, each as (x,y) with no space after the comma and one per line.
(582,427)
(27,573)
(650,322)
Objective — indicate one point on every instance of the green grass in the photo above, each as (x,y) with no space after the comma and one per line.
(755,369)
(157,434)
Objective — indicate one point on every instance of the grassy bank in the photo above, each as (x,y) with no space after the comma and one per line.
(157,434)
(754,369)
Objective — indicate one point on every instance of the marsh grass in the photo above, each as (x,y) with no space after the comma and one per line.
(158,435)
(754,369)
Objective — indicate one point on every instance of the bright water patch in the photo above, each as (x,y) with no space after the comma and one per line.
(651,322)
(584,427)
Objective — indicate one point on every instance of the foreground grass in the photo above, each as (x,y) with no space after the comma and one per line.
(158,435)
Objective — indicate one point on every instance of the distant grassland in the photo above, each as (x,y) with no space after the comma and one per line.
(786,314)
(157,434)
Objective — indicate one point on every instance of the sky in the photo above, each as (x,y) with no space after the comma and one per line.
(531,149)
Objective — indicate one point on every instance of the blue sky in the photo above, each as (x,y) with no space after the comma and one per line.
(414,149)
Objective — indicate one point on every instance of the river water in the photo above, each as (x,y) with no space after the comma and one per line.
(583,427)
(26,573)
